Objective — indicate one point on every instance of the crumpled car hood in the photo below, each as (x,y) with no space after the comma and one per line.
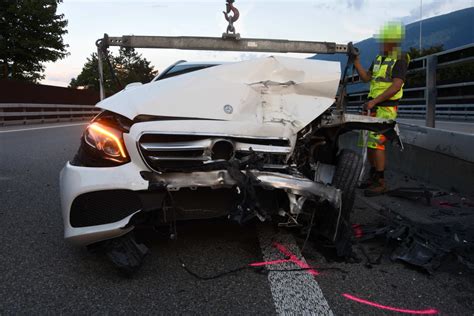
(271,90)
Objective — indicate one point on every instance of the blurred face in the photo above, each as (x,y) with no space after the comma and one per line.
(388,47)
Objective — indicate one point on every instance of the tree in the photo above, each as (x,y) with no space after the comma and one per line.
(30,34)
(445,75)
(89,76)
(418,79)
(132,67)
(129,66)
(416,53)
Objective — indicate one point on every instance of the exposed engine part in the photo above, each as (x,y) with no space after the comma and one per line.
(324,173)
(292,221)
(296,204)
(249,207)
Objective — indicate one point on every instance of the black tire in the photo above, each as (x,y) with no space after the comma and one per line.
(330,226)
(348,169)
(346,176)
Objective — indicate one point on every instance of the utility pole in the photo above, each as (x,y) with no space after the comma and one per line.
(421,19)
(431,91)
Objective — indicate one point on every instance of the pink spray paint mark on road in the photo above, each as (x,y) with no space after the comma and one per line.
(358,232)
(266,263)
(292,258)
(390,308)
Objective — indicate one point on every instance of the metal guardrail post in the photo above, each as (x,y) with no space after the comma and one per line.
(431,92)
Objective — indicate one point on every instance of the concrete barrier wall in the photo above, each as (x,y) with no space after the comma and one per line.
(441,158)
(13,91)
(29,103)
(27,113)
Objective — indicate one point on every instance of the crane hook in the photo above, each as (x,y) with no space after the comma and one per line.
(231,19)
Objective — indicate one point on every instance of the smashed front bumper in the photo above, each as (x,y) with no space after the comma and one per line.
(77,182)
(269,180)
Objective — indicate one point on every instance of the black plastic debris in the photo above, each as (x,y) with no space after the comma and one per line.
(249,206)
(413,193)
(423,245)
(125,253)
(421,254)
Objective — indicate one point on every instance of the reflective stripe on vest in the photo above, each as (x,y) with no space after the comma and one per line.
(382,78)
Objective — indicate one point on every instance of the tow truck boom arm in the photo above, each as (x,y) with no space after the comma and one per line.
(224,44)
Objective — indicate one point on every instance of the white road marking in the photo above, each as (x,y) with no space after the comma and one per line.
(43,127)
(294,293)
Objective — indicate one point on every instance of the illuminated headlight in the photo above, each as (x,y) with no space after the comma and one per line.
(107,141)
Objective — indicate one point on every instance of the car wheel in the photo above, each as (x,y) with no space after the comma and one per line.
(334,227)
(346,175)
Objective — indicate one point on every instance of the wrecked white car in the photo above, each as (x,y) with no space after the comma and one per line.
(252,141)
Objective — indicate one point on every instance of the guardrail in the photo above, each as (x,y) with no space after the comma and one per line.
(425,150)
(30,113)
(435,99)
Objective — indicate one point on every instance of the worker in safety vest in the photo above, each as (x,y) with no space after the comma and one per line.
(386,76)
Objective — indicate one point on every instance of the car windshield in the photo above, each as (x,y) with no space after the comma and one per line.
(180,69)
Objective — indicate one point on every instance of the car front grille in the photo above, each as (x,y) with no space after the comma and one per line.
(164,152)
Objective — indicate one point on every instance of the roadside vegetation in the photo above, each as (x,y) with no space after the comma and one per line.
(128,65)
(31,33)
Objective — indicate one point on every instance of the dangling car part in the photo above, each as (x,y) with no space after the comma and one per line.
(256,139)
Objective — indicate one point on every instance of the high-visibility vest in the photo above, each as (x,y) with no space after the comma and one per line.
(382,77)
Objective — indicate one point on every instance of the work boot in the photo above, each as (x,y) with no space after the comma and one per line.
(370,180)
(377,188)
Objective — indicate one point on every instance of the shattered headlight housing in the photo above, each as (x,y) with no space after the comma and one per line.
(102,143)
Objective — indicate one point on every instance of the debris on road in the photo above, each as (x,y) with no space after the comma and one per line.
(423,237)
(125,253)
(412,193)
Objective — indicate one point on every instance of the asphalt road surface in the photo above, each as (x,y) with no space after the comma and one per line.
(40,273)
